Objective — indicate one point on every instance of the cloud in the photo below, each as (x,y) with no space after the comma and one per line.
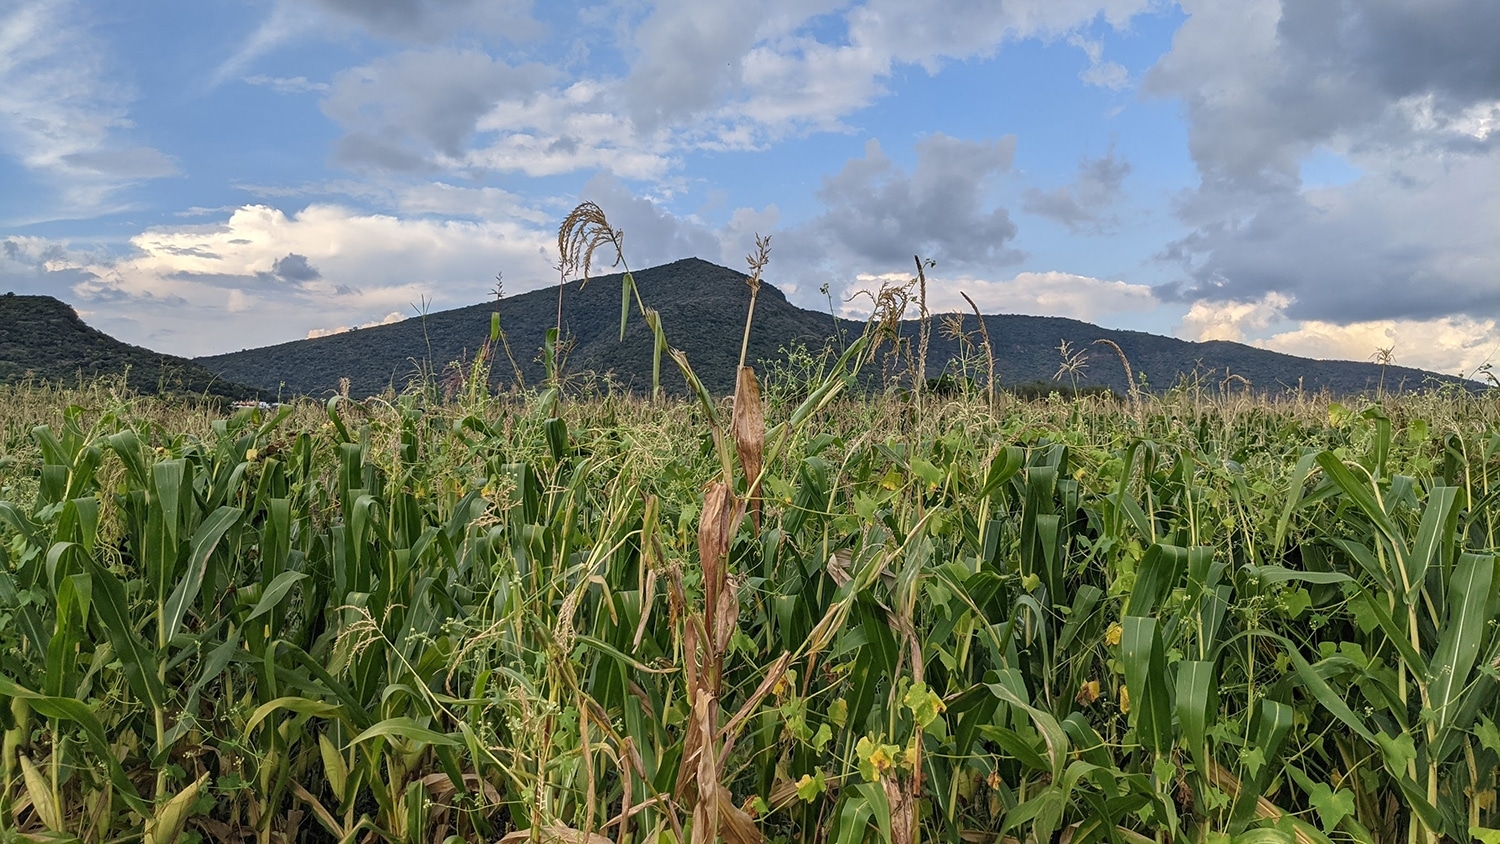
(263,276)
(879,215)
(429,21)
(1457,345)
(134,163)
(1032,293)
(1407,93)
(287,84)
(63,108)
(421,107)
(1081,205)
(389,319)
(710,75)
(1100,73)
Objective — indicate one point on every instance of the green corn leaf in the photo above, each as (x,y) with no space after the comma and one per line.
(405,728)
(1436,532)
(75,711)
(1363,496)
(205,539)
(1146,676)
(274,592)
(1470,593)
(299,705)
(1197,704)
(136,658)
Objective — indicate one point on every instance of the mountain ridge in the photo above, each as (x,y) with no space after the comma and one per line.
(43,338)
(702,307)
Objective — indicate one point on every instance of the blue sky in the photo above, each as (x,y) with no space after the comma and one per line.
(1310,176)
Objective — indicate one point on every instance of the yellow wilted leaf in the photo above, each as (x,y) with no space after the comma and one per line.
(333,766)
(40,793)
(167,826)
(1125,699)
(1088,693)
(1112,635)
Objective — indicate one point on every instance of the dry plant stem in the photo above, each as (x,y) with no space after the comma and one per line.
(989,351)
(926,330)
(757,261)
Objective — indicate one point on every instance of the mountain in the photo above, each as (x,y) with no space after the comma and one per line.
(702,308)
(43,339)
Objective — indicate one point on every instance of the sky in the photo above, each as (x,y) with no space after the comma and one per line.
(1319,177)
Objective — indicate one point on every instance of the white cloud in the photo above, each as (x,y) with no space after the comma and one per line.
(264,276)
(389,319)
(1457,345)
(287,84)
(1232,320)
(63,107)
(1032,293)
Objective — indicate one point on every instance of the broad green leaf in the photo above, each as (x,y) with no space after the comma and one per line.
(1470,593)
(405,728)
(205,539)
(275,591)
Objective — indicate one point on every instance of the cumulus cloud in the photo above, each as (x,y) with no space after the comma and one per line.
(1457,345)
(64,110)
(403,111)
(705,75)
(1407,92)
(879,215)
(264,276)
(389,319)
(1031,293)
(1083,205)
(431,20)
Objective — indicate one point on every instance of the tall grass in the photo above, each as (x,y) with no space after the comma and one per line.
(812,615)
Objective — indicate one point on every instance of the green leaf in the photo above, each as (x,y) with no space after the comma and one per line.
(276,590)
(1146,677)
(1197,703)
(1470,594)
(302,706)
(1398,751)
(408,729)
(811,786)
(1488,734)
(1485,836)
(205,539)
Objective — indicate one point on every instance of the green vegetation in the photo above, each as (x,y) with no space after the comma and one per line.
(42,340)
(806,614)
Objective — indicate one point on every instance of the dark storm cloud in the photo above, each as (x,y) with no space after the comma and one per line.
(1408,91)
(295,267)
(881,215)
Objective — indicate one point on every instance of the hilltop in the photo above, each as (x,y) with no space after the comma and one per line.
(43,339)
(703,309)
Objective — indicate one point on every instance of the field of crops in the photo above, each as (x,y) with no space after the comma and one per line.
(807,612)
(891,618)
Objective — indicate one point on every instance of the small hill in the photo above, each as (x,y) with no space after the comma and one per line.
(43,339)
(702,306)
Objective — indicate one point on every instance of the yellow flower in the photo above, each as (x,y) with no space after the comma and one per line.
(1112,635)
(252,454)
(1125,700)
(881,761)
